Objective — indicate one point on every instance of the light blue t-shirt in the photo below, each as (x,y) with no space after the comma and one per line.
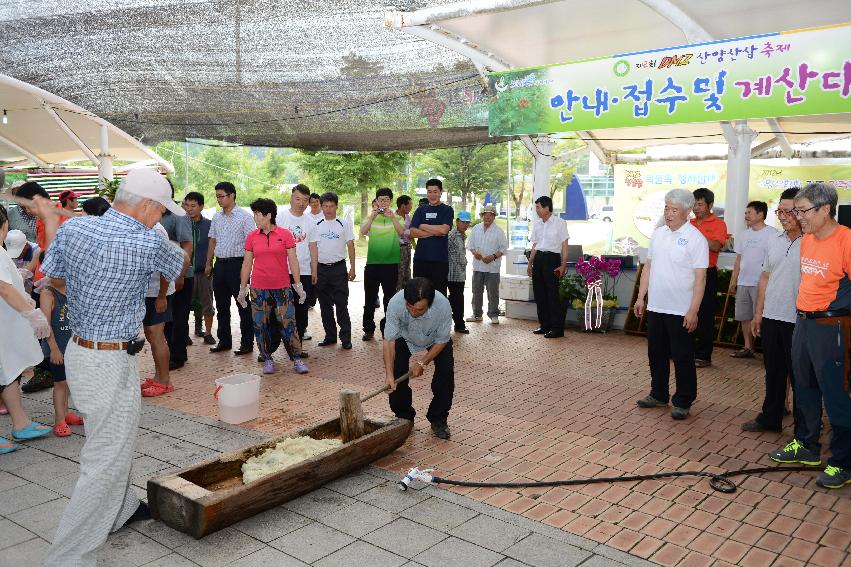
(432,327)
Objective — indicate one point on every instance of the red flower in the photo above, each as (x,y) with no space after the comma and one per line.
(523,103)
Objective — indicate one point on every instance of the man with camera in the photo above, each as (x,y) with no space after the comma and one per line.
(382,257)
(107,263)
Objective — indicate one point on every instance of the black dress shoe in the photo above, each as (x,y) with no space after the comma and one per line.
(141,513)
(347,345)
(188,341)
(440,429)
(208,339)
(307,338)
(174,364)
(303,355)
(553,335)
(327,342)
(243,350)
(220,348)
(463,330)
(540,331)
(368,336)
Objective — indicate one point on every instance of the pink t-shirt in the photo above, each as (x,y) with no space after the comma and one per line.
(271,266)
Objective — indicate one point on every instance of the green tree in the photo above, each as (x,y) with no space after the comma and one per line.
(470,170)
(357,173)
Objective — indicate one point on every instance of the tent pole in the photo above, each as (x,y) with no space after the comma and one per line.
(543,154)
(105,170)
(739,137)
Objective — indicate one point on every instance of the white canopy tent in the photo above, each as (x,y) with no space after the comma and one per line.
(43,129)
(508,34)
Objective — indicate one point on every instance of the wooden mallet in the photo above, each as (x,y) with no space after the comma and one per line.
(351,412)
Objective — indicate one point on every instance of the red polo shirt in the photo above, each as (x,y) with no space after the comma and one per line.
(271,267)
(712,228)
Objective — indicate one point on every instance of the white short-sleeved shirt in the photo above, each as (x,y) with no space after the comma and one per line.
(549,235)
(19,349)
(230,232)
(154,285)
(675,255)
(302,229)
(753,245)
(332,237)
(783,264)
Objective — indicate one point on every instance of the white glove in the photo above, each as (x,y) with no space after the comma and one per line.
(41,283)
(25,273)
(299,291)
(38,322)
(240,298)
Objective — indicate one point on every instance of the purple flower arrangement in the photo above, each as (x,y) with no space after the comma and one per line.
(596,269)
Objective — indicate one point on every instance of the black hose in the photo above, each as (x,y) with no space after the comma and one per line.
(718,481)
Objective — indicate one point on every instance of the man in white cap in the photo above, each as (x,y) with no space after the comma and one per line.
(488,245)
(107,263)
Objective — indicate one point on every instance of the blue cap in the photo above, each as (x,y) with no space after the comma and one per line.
(464,216)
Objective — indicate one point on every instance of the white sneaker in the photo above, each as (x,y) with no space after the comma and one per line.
(494,320)
(473,319)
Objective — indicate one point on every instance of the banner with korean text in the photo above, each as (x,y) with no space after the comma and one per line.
(804,72)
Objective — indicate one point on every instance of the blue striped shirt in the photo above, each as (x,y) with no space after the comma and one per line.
(107,263)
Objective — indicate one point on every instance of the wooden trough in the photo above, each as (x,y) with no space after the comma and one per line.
(210,496)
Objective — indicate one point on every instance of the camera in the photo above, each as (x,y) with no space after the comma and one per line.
(380,211)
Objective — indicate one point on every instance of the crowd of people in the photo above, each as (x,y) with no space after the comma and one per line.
(792,289)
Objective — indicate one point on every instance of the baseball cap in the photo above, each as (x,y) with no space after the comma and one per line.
(488,209)
(15,242)
(67,195)
(464,216)
(148,183)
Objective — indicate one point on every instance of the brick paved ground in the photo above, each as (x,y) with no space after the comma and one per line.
(529,408)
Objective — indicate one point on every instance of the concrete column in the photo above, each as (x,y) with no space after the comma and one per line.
(739,138)
(543,155)
(105,170)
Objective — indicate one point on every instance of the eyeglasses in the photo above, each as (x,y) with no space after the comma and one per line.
(802,212)
(221,196)
(784,213)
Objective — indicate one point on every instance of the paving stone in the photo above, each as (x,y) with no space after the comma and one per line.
(219,548)
(47,469)
(150,443)
(354,484)
(388,497)
(24,497)
(150,420)
(272,524)
(361,553)
(171,560)
(181,427)
(438,514)
(9,481)
(220,440)
(161,533)
(404,537)
(23,457)
(43,519)
(129,548)
(598,561)
(65,447)
(621,557)
(145,467)
(489,533)
(183,452)
(271,557)
(540,551)
(358,519)
(509,562)
(30,553)
(318,504)
(312,542)
(12,534)
(454,552)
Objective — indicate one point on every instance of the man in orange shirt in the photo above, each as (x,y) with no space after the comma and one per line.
(818,342)
(714,230)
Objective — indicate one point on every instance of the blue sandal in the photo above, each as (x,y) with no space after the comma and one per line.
(4,450)
(31,431)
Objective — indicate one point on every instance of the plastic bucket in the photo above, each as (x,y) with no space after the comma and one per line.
(239,397)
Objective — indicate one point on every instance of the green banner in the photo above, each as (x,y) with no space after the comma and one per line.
(804,72)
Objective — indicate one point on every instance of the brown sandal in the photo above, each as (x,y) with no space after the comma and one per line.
(743,353)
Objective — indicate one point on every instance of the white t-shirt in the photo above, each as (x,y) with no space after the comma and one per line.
(302,229)
(332,237)
(154,285)
(19,349)
(549,235)
(753,245)
(674,255)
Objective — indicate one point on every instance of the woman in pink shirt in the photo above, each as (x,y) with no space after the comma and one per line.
(270,255)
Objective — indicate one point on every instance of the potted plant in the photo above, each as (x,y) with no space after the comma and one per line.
(600,277)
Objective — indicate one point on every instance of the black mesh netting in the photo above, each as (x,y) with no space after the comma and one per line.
(256,72)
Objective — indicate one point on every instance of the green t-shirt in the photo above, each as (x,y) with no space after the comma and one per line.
(383,247)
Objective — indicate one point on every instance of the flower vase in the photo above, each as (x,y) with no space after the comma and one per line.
(606,320)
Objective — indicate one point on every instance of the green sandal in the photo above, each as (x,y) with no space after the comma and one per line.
(32,431)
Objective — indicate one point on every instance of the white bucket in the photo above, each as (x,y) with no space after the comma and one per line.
(239,397)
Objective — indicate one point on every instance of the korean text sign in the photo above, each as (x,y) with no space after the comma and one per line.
(805,72)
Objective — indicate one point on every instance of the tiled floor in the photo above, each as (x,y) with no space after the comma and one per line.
(530,408)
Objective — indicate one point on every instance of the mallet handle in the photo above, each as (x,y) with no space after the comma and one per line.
(396,382)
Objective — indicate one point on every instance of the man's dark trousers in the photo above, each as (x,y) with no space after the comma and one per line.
(777,357)
(375,276)
(178,329)
(442,384)
(456,301)
(551,309)
(301,309)
(668,340)
(225,287)
(437,272)
(332,291)
(818,362)
(704,335)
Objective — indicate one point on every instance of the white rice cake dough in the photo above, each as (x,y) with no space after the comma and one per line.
(285,454)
